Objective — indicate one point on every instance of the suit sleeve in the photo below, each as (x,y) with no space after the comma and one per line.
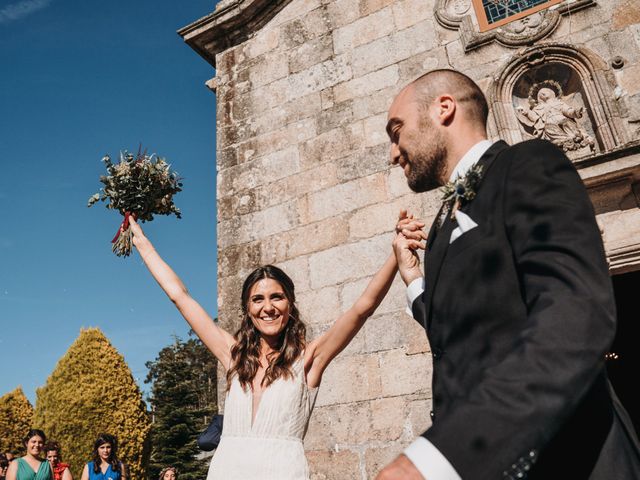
(521,403)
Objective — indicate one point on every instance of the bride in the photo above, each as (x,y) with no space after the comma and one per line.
(273,373)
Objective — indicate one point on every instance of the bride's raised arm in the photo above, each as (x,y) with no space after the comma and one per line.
(217,340)
(325,348)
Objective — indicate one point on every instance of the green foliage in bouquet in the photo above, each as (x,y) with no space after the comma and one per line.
(140,186)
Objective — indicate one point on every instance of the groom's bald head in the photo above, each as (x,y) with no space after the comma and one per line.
(466,93)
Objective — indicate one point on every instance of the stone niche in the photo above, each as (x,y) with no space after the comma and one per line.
(549,102)
(561,93)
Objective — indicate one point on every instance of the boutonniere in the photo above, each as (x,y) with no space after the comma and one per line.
(462,190)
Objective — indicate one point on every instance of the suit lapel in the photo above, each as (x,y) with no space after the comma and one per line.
(438,242)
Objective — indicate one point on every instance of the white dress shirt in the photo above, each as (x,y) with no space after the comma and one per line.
(422,453)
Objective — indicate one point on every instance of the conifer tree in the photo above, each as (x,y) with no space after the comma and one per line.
(92,391)
(183,398)
(16,419)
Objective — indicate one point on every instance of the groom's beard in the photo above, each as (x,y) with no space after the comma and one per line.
(428,163)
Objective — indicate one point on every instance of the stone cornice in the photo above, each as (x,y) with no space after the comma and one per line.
(231,23)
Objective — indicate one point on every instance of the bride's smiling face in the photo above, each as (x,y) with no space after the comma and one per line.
(268,307)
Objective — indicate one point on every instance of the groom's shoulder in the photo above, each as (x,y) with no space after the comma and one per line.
(533,157)
(534,149)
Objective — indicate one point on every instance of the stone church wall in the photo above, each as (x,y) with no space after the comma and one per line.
(303,88)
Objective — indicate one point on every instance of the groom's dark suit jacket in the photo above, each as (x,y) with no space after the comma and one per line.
(520,313)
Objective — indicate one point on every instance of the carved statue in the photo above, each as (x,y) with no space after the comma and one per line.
(551,117)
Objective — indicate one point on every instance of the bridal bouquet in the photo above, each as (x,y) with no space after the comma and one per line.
(140,186)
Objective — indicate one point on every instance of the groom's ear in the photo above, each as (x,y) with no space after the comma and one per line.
(445,109)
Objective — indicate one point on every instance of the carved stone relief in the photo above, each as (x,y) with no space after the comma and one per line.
(561,93)
(548,113)
(458,15)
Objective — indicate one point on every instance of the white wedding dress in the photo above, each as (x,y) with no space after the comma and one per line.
(271,448)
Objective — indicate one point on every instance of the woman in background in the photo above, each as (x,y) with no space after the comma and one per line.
(31,466)
(105,464)
(4,465)
(54,456)
(168,473)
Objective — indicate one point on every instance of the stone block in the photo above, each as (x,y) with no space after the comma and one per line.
(375,130)
(268,68)
(388,418)
(629,79)
(419,418)
(229,292)
(378,457)
(298,270)
(349,262)
(264,41)
(388,331)
(318,77)
(326,97)
(363,30)
(340,424)
(397,182)
(226,157)
(624,37)
(363,163)
(417,65)
(479,63)
(343,198)
(368,7)
(302,131)
(379,102)
(393,48)
(403,374)
(261,171)
(409,12)
(294,10)
(366,85)
(295,186)
(311,53)
(316,330)
(381,218)
(343,12)
(240,258)
(393,302)
(350,379)
(333,465)
(304,240)
(319,307)
(331,145)
(338,116)
(258,225)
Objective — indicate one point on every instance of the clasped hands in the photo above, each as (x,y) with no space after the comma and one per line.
(408,240)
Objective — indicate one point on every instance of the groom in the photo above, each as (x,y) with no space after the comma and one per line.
(516,300)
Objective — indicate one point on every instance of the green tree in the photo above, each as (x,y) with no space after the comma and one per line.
(92,391)
(183,399)
(16,419)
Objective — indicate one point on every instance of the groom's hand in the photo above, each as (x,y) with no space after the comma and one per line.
(410,227)
(407,241)
(400,469)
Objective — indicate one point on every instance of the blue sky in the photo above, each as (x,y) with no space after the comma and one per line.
(79,80)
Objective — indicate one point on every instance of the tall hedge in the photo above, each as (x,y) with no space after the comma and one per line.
(16,419)
(91,391)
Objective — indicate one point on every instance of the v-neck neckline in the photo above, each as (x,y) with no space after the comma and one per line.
(254,415)
(31,468)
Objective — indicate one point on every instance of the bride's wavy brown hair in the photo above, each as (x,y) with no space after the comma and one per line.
(245,353)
